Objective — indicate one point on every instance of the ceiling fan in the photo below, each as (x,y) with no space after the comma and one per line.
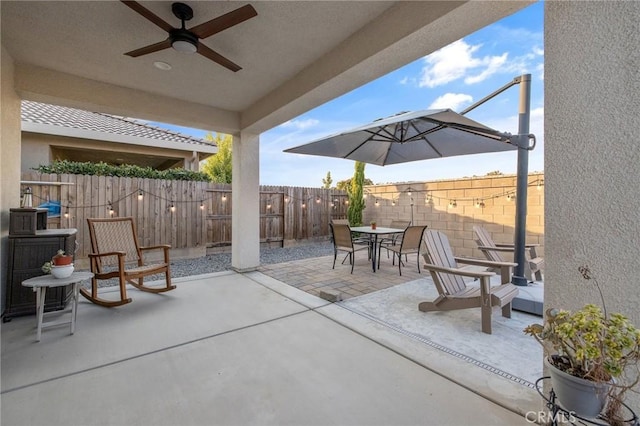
(188,40)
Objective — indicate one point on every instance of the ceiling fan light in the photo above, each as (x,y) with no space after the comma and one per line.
(184,46)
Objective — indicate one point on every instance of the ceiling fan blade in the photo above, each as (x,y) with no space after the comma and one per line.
(148,15)
(218,58)
(225,21)
(150,49)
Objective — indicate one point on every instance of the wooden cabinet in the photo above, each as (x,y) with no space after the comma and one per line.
(27,254)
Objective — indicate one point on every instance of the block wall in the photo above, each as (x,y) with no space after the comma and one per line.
(455,206)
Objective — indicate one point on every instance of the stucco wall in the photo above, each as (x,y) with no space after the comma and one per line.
(431,206)
(10,152)
(37,148)
(592,154)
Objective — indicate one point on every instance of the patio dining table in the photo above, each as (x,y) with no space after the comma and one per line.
(373,238)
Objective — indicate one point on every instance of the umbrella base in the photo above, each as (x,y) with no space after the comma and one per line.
(530,299)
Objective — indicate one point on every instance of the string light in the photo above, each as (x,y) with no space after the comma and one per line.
(304,204)
(394,198)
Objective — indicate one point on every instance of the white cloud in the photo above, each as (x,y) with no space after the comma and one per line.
(493,65)
(451,100)
(460,60)
(300,124)
(448,64)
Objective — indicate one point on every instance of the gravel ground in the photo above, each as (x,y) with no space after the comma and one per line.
(222,261)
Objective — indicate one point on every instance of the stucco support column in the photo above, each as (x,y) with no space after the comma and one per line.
(9,160)
(245,218)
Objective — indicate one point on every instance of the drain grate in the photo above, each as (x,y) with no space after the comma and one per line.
(449,351)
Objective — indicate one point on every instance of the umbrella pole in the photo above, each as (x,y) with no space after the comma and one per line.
(522,183)
(522,180)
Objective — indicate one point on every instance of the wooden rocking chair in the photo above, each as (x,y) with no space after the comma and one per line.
(117,254)
(452,289)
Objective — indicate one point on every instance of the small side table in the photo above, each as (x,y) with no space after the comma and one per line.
(40,285)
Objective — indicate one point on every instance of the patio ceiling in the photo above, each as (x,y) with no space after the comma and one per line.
(295,55)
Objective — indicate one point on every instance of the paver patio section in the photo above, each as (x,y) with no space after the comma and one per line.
(314,275)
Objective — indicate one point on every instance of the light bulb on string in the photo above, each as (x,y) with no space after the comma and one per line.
(393,202)
(173,208)
(377,203)
(140,195)
(452,204)
(539,186)
(318,200)
(110,208)
(224,197)
(201,205)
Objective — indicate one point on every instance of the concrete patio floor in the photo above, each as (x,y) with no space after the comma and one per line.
(231,348)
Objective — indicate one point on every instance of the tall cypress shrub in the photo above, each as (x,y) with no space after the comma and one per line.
(356,199)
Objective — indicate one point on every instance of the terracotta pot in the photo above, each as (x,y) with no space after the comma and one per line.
(373,226)
(60,260)
(583,397)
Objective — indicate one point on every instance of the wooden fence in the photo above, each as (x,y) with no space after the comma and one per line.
(184,214)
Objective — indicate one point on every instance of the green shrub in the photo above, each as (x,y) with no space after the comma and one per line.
(125,170)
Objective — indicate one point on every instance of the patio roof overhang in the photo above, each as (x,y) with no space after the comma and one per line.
(295,56)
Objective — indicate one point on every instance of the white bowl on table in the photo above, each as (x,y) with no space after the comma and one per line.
(63,271)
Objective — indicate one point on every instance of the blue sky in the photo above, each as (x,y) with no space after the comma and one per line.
(454,77)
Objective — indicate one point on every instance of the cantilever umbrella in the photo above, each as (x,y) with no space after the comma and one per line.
(427,134)
(410,136)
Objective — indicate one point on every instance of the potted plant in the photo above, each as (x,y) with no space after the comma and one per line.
(373,224)
(590,349)
(61,259)
(58,271)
